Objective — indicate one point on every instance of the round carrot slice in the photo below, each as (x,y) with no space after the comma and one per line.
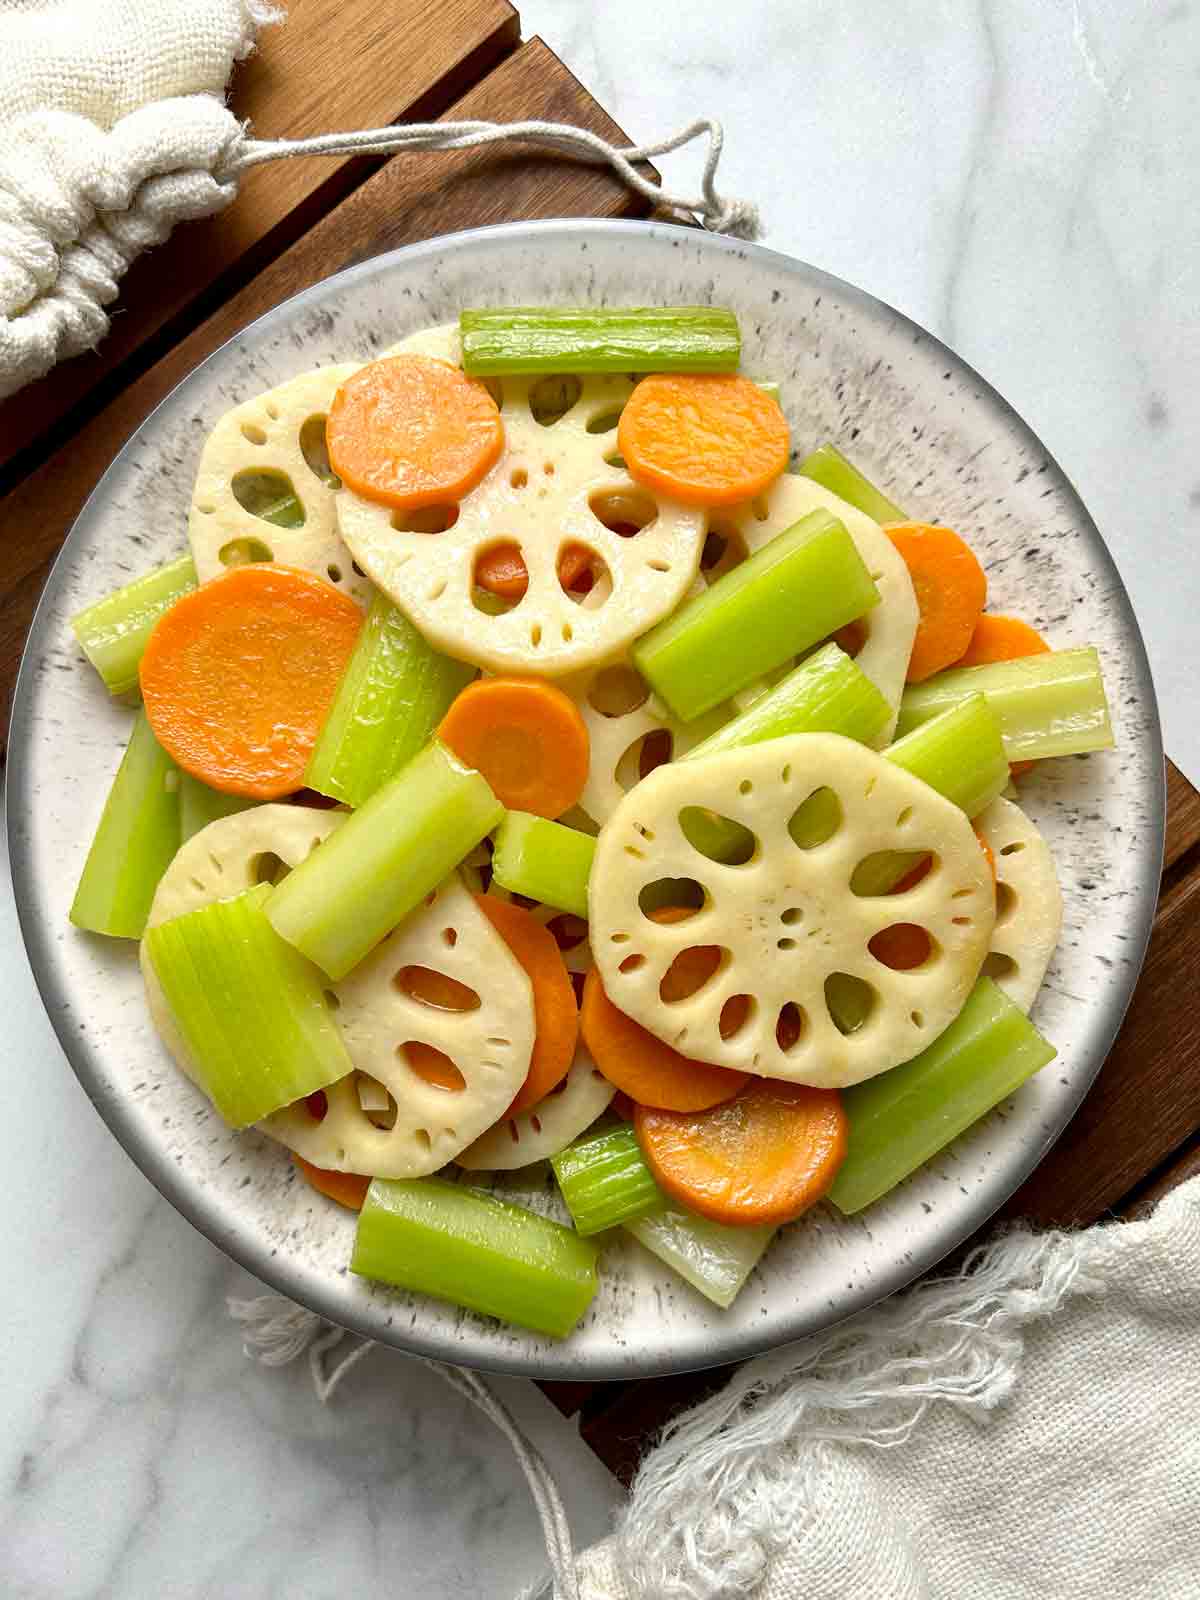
(526,737)
(951,590)
(347,1188)
(643,1067)
(411,431)
(704,438)
(237,677)
(556,1016)
(765,1157)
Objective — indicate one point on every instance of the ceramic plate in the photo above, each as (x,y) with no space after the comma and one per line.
(920,423)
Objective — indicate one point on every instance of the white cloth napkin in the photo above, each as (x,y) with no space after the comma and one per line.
(1029,1431)
(112,129)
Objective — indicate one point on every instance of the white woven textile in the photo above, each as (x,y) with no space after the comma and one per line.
(113,129)
(1030,1431)
(1027,1430)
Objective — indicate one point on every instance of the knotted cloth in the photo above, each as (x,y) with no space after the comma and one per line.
(113,128)
(1026,1429)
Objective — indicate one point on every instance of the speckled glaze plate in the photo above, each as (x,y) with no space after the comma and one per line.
(919,422)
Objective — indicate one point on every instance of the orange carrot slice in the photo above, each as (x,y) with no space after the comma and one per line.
(705,438)
(556,1015)
(951,590)
(502,570)
(764,1157)
(1003,639)
(999,638)
(347,1188)
(237,677)
(643,1067)
(411,431)
(526,737)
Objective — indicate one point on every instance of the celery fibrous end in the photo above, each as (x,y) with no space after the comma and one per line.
(250,1009)
(604,1180)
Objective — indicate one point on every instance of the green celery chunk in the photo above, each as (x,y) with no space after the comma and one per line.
(384,859)
(605,1180)
(517,339)
(959,752)
(135,842)
(475,1250)
(829,467)
(112,633)
(394,692)
(545,861)
(827,693)
(714,1259)
(801,587)
(1048,705)
(901,1118)
(199,805)
(249,1008)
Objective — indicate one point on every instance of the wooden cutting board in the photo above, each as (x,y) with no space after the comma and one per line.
(357,64)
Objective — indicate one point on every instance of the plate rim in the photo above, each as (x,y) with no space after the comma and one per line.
(276,1272)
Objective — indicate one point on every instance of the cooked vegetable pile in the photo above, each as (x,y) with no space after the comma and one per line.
(531,767)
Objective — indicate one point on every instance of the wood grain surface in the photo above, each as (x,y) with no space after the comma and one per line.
(407,61)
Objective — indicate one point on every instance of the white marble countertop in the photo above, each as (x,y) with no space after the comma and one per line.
(1019,177)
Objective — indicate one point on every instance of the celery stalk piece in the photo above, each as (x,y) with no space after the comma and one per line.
(714,1259)
(800,587)
(394,692)
(901,1118)
(605,1180)
(516,339)
(959,752)
(112,633)
(475,1250)
(829,467)
(383,860)
(249,1008)
(199,805)
(135,842)
(1048,705)
(545,861)
(826,693)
